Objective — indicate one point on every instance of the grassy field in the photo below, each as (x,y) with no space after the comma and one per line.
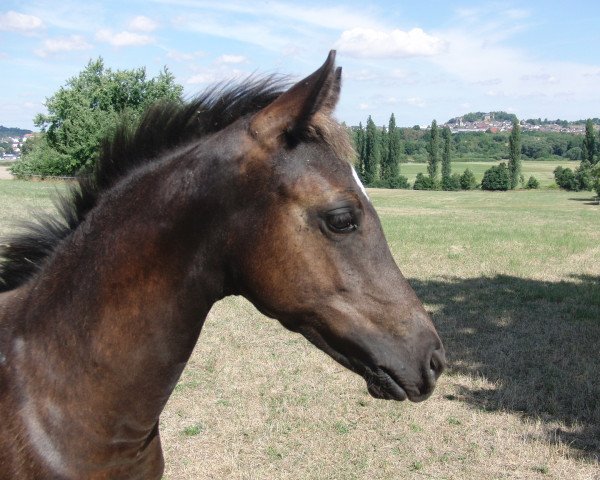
(513,284)
(542,170)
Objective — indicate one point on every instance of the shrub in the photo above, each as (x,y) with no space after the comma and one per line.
(468,181)
(42,160)
(451,183)
(580,179)
(496,178)
(532,183)
(565,178)
(424,182)
(398,182)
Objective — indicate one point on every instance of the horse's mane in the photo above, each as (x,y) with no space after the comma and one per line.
(163,126)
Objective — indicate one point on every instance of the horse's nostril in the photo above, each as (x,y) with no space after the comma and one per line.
(437,362)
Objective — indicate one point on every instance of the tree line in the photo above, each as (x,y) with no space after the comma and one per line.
(379,152)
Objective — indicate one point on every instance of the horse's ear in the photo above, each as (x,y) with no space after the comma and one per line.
(291,113)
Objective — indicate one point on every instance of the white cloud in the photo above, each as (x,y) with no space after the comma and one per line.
(123,39)
(416,102)
(19,22)
(143,24)
(231,59)
(212,76)
(185,56)
(371,43)
(65,44)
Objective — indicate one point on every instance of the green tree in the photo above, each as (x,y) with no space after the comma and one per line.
(589,143)
(496,178)
(383,148)
(359,142)
(447,183)
(85,110)
(391,159)
(595,174)
(372,153)
(514,155)
(467,180)
(432,150)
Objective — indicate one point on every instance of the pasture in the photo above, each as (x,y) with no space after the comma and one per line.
(540,169)
(512,281)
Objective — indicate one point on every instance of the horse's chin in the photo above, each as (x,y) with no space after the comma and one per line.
(381,385)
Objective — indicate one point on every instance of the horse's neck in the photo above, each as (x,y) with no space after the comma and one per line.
(112,319)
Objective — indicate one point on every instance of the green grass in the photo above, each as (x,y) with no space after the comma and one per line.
(512,280)
(542,170)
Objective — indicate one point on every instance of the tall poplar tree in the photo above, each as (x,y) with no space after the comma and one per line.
(589,143)
(383,148)
(359,137)
(446,167)
(433,157)
(514,154)
(372,152)
(392,157)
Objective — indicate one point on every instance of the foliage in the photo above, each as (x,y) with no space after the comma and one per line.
(85,110)
(42,160)
(446,166)
(514,154)
(532,183)
(423,182)
(565,178)
(595,174)
(580,179)
(371,153)
(589,143)
(500,116)
(8,132)
(432,150)
(496,178)
(390,164)
(452,183)
(574,153)
(467,180)
(399,181)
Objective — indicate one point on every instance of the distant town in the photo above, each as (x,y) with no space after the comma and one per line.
(495,122)
(11,142)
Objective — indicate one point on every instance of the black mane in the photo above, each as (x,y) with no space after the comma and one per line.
(163,126)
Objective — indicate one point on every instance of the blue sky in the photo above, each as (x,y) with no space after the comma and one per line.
(420,60)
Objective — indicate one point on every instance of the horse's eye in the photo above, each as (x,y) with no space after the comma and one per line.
(341,222)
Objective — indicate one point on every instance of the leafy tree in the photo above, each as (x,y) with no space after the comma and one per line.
(574,153)
(433,158)
(565,178)
(390,167)
(532,183)
(496,178)
(467,180)
(595,174)
(447,184)
(85,110)
(359,142)
(423,182)
(514,156)
(589,142)
(371,153)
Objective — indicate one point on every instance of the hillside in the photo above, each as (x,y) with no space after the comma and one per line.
(12,132)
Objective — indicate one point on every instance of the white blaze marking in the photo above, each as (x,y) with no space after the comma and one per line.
(359,183)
